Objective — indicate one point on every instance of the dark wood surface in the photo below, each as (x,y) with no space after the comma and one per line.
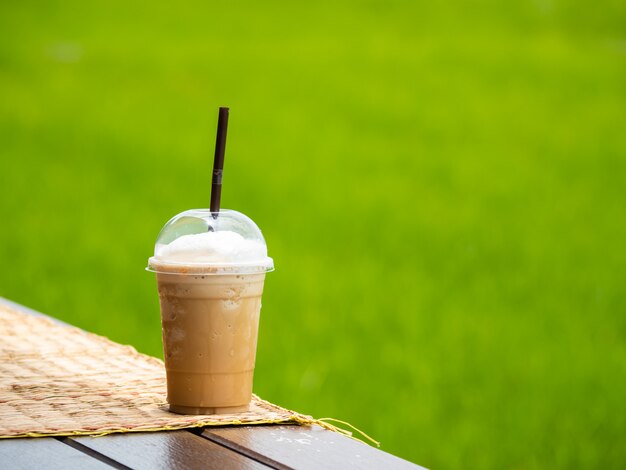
(167,450)
(303,447)
(44,452)
(236,447)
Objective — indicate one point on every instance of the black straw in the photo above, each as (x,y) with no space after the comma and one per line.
(218,162)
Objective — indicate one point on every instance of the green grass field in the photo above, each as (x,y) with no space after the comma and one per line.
(442,188)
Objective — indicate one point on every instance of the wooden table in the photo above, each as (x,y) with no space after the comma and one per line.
(248,447)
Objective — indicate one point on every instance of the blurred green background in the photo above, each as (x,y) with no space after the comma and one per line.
(442,187)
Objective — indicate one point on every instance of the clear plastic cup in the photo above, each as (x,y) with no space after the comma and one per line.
(210,273)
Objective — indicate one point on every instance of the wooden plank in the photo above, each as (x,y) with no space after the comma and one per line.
(44,452)
(166,450)
(303,447)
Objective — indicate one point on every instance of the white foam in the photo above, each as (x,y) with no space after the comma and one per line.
(213,248)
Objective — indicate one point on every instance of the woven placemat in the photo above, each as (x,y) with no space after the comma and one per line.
(57,380)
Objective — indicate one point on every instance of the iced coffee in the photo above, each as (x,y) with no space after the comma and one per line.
(210,273)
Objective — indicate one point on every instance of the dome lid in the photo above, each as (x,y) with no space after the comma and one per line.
(197,242)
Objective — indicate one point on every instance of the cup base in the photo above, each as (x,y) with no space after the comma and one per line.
(193,410)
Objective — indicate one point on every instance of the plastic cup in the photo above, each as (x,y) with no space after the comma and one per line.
(210,297)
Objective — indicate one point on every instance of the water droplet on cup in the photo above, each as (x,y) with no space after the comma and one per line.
(231,304)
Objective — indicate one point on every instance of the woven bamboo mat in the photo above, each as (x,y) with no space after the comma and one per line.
(57,380)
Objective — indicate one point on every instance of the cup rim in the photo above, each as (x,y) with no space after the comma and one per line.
(157,265)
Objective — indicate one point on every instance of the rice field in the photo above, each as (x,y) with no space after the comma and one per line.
(441,186)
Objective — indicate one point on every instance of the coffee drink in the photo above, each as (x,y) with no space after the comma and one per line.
(210,286)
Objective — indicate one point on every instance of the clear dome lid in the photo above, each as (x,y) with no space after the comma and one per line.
(197,242)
